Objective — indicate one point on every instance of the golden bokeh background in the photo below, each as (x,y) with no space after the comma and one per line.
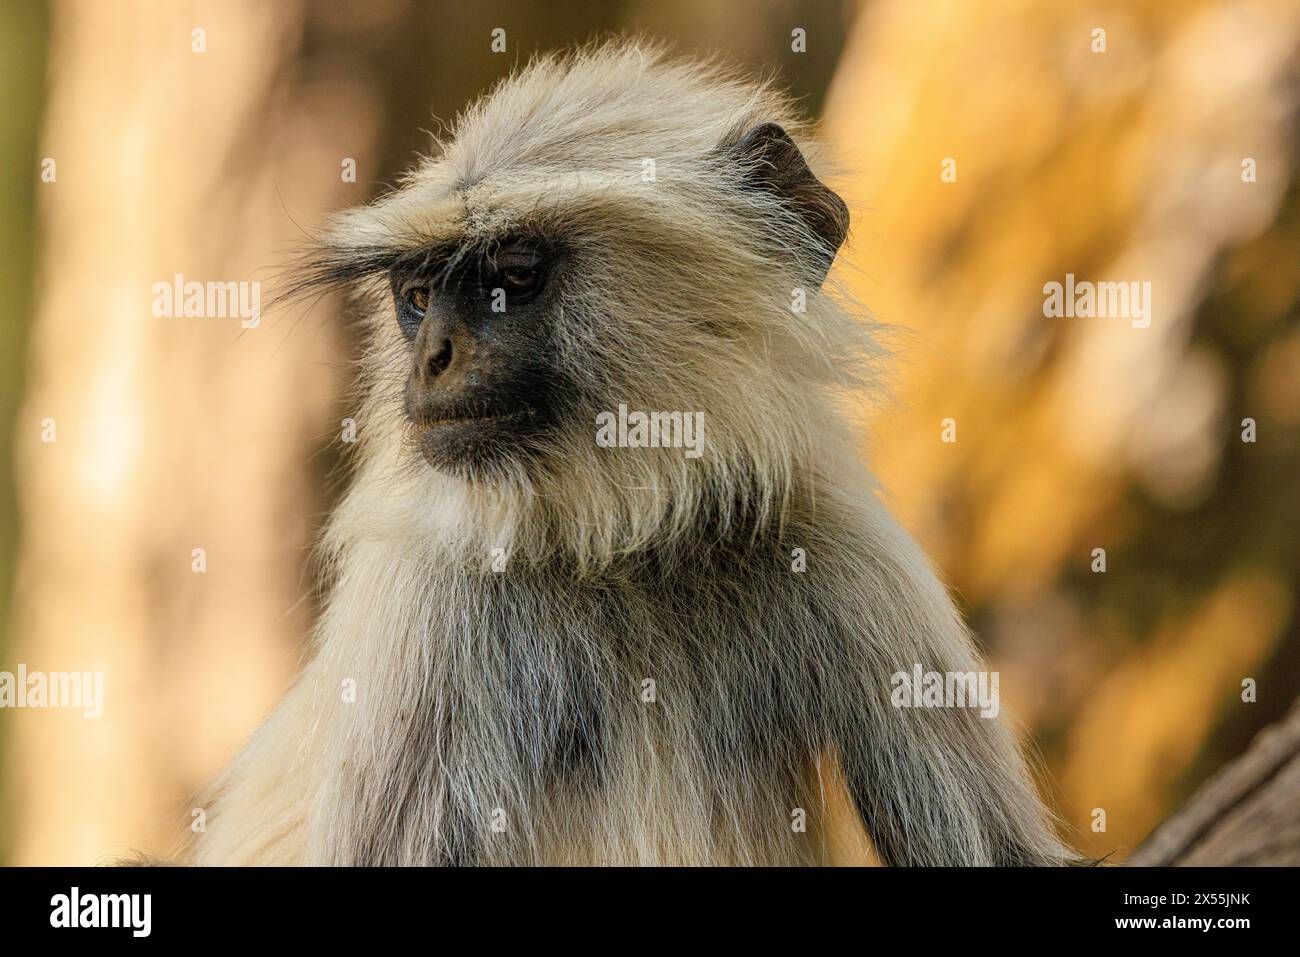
(1122,164)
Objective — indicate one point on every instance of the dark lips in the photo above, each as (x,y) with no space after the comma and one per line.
(475,421)
(469,441)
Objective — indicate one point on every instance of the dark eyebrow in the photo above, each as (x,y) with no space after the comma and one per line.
(435,262)
(326,268)
(444,263)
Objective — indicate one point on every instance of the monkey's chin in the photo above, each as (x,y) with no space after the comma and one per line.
(480,449)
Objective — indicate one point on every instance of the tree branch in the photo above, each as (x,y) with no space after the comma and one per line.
(1247,814)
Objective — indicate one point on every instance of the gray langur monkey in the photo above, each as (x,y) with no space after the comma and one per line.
(543,648)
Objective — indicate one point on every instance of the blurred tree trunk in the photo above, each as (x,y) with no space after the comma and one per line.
(998,147)
(1247,814)
(22,78)
(171,434)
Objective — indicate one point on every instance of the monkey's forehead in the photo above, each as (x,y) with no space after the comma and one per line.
(606,106)
(616,124)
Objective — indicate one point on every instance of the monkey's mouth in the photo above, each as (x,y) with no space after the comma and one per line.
(468,439)
(493,418)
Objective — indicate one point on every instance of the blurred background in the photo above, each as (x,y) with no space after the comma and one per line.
(990,147)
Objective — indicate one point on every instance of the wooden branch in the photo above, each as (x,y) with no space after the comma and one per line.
(1247,814)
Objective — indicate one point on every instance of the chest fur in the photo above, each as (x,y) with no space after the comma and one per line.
(665,716)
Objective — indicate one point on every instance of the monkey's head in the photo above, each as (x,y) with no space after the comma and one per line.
(597,309)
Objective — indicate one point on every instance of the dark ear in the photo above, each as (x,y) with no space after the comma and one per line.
(772,162)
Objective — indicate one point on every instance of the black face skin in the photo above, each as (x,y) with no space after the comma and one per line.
(481,389)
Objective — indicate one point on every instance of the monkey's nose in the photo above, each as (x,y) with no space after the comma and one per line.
(439,357)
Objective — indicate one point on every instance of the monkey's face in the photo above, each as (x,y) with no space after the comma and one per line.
(481,387)
(595,312)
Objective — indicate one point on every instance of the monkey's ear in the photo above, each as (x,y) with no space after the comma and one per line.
(771,161)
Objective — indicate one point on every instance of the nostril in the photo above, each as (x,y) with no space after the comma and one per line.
(440,359)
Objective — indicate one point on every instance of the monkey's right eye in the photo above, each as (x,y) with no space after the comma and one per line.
(417,301)
(412,306)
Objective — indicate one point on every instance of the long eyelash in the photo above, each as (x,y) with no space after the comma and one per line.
(328,269)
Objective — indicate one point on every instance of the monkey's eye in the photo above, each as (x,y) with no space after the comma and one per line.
(412,306)
(520,283)
(518,270)
(416,301)
(519,280)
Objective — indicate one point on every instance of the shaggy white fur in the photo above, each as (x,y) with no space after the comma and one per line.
(502,715)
